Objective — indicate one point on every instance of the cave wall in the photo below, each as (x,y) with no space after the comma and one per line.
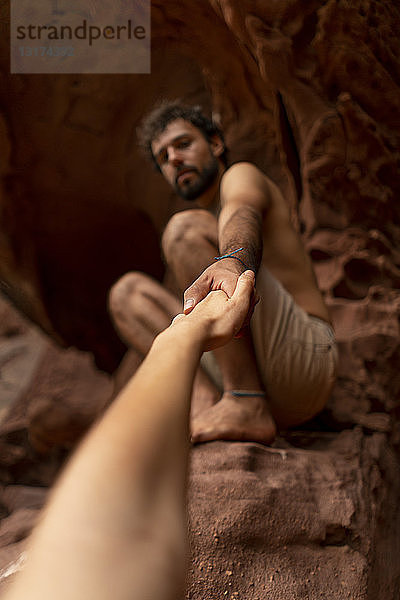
(77,209)
(310,92)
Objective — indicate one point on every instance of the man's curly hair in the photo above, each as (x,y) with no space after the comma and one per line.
(167,111)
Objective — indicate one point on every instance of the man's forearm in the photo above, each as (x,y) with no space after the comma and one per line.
(242,228)
(239,227)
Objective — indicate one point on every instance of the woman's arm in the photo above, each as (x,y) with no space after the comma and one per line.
(115,526)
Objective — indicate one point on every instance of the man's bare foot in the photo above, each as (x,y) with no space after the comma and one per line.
(241,419)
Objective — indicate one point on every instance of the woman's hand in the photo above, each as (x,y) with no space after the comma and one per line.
(218,318)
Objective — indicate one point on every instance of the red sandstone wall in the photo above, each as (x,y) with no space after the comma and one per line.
(310,92)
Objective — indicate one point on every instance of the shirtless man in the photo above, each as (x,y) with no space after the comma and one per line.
(281,370)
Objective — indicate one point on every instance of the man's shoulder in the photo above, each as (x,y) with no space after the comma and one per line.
(244,177)
(243,169)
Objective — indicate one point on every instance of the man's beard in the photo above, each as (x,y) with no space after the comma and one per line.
(193,189)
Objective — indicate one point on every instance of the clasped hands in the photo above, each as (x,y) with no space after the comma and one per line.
(219,304)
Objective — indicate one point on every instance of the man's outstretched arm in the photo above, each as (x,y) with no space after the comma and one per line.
(115,525)
(244,201)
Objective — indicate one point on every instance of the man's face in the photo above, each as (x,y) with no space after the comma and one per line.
(186,159)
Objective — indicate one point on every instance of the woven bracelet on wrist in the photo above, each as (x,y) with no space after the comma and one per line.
(231,255)
(248,393)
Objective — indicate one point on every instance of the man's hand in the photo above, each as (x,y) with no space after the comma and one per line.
(219,317)
(222,275)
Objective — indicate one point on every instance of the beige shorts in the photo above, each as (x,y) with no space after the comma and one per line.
(296,353)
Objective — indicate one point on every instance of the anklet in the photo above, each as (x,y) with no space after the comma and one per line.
(242,393)
(231,255)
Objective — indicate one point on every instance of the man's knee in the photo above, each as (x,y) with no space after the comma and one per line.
(185,229)
(126,290)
